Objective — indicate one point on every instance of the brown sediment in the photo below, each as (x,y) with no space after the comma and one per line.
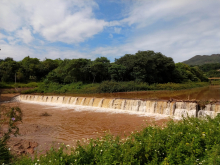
(38,132)
(202,93)
(7,97)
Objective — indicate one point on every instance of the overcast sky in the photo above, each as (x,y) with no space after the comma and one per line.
(89,29)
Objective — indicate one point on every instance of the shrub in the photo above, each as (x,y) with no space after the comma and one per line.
(190,141)
(8,117)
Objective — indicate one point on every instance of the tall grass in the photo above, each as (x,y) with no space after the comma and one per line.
(18,85)
(109,87)
(190,141)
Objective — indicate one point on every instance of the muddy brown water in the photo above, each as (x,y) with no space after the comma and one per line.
(66,125)
(203,93)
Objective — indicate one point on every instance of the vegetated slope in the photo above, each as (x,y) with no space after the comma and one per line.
(203,59)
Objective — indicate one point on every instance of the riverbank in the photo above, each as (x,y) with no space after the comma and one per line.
(109,87)
(190,141)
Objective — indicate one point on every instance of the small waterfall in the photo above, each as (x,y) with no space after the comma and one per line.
(72,100)
(111,103)
(66,100)
(203,113)
(123,104)
(100,103)
(217,108)
(75,101)
(79,100)
(36,97)
(32,98)
(45,98)
(83,100)
(177,109)
(54,99)
(168,109)
(28,97)
(96,102)
(117,104)
(106,103)
(142,107)
(160,107)
(91,102)
(40,98)
(87,101)
(60,100)
(49,99)
(150,106)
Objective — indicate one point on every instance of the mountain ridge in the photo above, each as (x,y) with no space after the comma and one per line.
(203,59)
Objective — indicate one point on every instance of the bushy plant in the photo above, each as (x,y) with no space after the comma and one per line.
(189,141)
(8,117)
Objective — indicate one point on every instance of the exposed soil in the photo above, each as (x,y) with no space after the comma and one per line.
(7,97)
(62,125)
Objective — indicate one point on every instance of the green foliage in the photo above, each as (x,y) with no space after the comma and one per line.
(8,117)
(147,66)
(189,141)
(143,66)
(111,86)
(185,73)
(18,85)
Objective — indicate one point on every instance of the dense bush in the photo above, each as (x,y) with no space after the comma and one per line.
(143,66)
(19,85)
(190,141)
(109,87)
(9,117)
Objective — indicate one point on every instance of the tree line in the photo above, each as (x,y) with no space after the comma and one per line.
(143,66)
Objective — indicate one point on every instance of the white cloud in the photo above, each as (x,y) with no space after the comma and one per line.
(117,30)
(18,52)
(69,21)
(25,35)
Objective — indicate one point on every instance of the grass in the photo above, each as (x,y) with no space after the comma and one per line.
(189,141)
(19,85)
(109,87)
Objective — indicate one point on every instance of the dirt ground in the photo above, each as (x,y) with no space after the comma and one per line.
(38,132)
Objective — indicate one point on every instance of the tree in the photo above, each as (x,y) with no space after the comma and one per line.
(147,66)
(99,69)
(117,72)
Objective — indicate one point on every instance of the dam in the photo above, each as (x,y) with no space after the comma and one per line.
(172,108)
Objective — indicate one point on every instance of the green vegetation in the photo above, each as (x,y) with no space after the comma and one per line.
(9,117)
(205,59)
(211,70)
(19,85)
(189,141)
(144,66)
(110,87)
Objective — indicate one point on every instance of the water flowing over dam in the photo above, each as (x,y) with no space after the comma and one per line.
(163,107)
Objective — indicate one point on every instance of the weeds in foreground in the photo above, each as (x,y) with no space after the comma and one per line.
(190,141)
(8,117)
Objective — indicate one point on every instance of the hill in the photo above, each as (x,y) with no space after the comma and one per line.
(203,59)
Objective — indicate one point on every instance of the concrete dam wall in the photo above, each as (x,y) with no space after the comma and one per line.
(171,108)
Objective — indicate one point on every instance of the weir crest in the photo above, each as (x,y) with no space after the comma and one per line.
(174,108)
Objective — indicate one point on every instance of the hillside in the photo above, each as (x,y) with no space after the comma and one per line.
(203,59)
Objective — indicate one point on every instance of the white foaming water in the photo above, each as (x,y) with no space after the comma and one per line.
(158,108)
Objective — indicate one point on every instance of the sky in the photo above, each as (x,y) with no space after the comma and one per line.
(89,29)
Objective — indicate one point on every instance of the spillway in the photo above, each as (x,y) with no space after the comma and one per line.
(162,107)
